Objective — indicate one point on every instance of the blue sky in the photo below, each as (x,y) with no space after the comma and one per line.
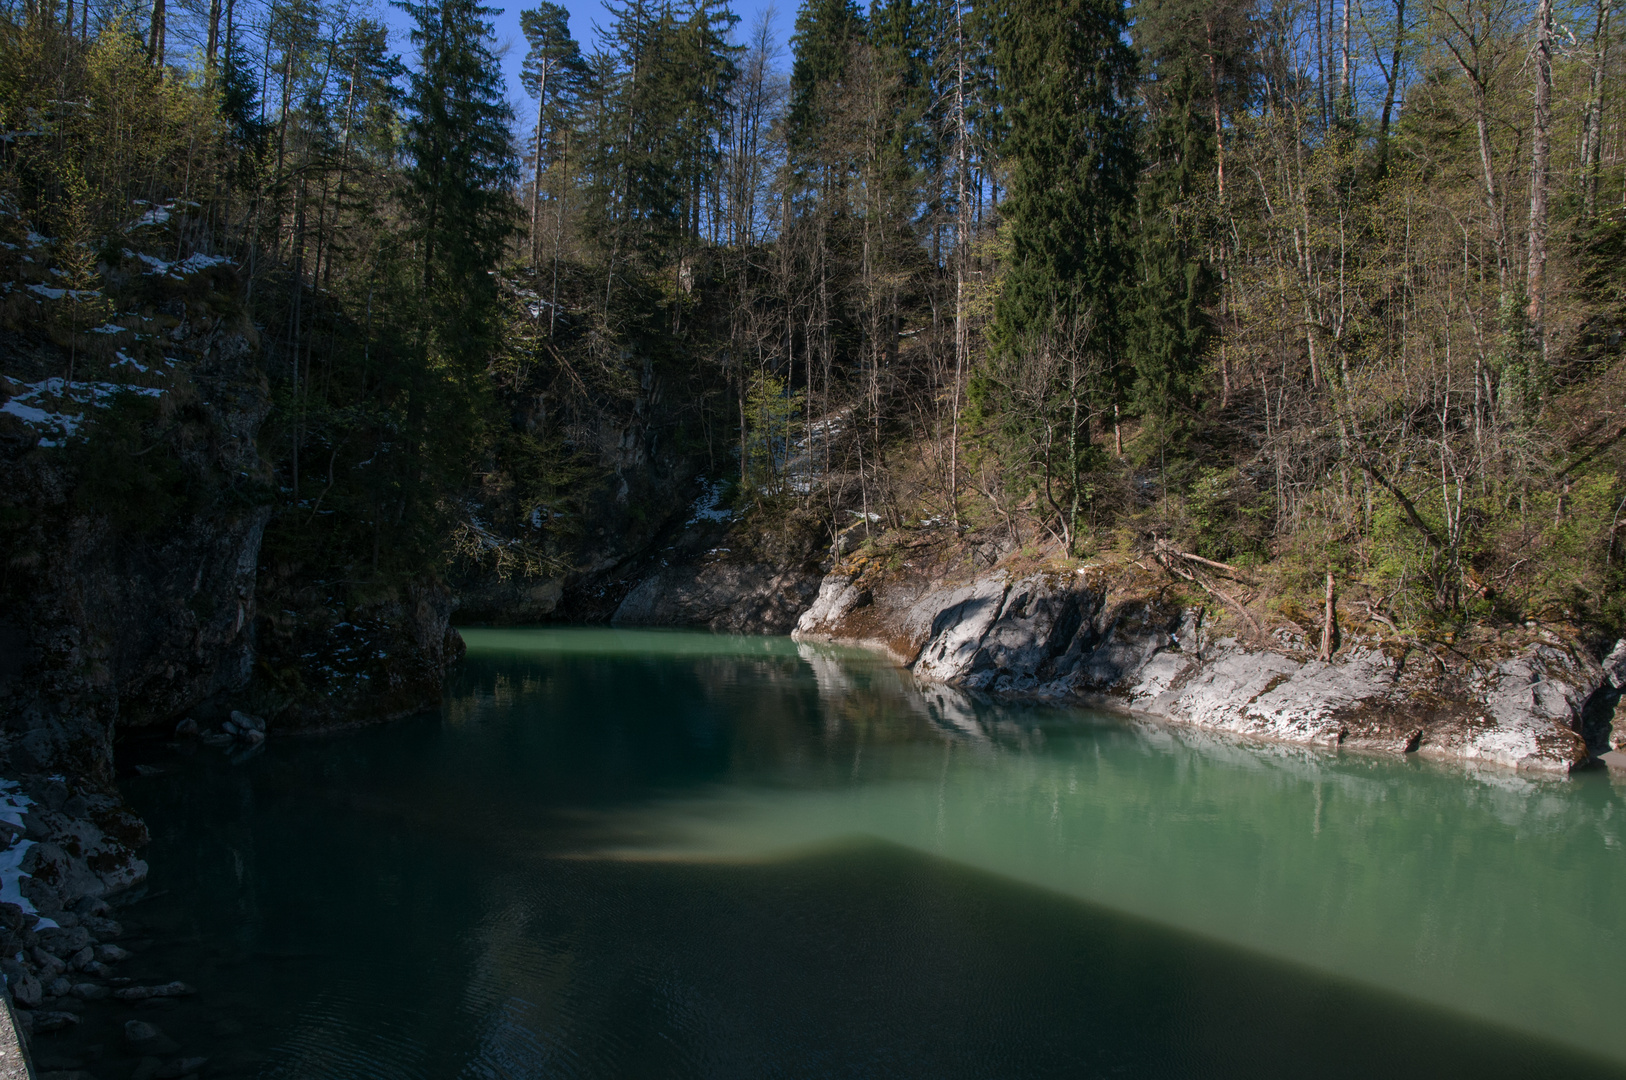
(584,16)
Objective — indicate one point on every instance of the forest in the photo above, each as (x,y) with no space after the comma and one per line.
(1298,287)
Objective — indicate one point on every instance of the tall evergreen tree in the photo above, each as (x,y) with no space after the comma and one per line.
(460,174)
(1175,285)
(459,180)
(826,31)
(1065,82)
(552,73)
(1065,76)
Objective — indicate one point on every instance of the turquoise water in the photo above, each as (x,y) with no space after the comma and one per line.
(635,853)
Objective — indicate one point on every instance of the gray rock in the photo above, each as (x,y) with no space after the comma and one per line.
(111,954)
(26,991)
(53,1020)
(958,629)
(1614,666)
(60,986)
(88,991)
(104,928)
(84,956)
(64,941)
(165,990)
(245,722)
(50,966)
(148,1039)
(1054,636)
(727,597)
(186,729)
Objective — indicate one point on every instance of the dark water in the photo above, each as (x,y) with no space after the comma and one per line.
(630,854)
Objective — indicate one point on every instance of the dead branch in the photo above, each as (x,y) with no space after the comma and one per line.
(1168,564)
(1163,547)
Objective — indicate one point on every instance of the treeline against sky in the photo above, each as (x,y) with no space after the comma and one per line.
(1325,286)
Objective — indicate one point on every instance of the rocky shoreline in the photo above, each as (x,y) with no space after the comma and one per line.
(1116,639)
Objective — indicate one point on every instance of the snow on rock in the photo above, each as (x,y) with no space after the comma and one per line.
(59,425)
(707,508)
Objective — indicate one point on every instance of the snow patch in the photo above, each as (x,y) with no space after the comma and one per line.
(707,508)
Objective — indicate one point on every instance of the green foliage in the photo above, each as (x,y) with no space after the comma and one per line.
(771,414)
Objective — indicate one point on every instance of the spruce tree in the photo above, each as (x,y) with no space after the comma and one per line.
(1175,287)
(1065,80)
(458,194)
(458,184)
(1065,76)
(826,31)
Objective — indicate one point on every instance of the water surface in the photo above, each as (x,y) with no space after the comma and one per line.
(634,853)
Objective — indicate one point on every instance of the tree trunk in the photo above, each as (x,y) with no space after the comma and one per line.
(212,47)
(1540,153)
(155,35)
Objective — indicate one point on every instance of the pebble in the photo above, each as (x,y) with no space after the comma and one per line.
(84,956)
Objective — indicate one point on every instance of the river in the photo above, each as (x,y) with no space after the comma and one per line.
(647,853)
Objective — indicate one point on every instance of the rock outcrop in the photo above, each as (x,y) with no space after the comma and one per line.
(130,592)
(725,597)
(1080,637)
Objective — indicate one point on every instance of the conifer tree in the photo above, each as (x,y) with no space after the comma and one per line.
(462,168)
(552,73)
(1175,285)
(1065,75)
(825,33)
(1065,80)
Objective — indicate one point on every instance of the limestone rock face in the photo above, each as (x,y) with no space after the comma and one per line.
(1073,638)
(107,624)
(726,597)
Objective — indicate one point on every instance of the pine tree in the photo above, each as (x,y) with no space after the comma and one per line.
(552,73)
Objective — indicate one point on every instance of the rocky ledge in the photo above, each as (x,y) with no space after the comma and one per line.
(1110,637)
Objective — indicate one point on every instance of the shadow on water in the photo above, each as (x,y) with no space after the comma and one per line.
(675,855)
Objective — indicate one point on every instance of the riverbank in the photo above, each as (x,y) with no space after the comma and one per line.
(1111,636)
(1137,634)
